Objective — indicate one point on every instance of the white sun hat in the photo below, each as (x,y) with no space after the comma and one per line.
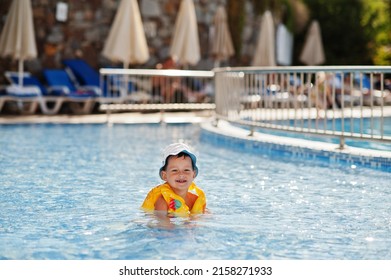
(174,149)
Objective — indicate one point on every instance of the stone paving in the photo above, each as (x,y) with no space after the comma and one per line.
(134,117)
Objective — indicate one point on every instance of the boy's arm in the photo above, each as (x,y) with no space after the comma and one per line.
(161,204)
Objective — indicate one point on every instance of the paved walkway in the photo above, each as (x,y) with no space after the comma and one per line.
(186,117)
(130,118)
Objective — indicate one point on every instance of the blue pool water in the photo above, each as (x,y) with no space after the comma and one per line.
(375,126)
(74,191)
(356,125)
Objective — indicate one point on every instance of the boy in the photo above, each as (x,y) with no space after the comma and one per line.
(178,194)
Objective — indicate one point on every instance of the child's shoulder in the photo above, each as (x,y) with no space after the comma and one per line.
(192,197)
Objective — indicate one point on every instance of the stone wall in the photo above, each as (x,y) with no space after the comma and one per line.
(88,23)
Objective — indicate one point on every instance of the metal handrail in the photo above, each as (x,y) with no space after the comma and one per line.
(302,99)
(156,72)
(156,89)
(305,99)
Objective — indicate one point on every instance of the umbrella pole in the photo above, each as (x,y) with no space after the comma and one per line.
(126,80)
(20,74)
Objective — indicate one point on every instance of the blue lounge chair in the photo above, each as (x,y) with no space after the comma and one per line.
(370,95)
(5,97)
(85,75)
(80,99)
(30,94)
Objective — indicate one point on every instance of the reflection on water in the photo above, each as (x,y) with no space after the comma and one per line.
(169,222)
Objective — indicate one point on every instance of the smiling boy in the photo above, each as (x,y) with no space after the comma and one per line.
(178,194)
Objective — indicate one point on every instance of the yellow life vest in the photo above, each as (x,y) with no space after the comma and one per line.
(176,204)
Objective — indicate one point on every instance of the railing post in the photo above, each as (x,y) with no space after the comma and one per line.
(341,143)
(216,122)
(251,131)
(162,119)
(108,115)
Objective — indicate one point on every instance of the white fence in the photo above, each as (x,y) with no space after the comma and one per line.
(152,89)
(316,100)
(332,101)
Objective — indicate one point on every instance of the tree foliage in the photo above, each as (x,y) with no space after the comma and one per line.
(353,31)
(377,17)
(236,19)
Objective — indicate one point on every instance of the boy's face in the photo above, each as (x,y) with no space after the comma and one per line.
(179,173)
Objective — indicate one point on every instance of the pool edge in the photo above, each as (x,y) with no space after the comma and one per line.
(267,144)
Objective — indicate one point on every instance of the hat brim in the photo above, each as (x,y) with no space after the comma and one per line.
(191,155)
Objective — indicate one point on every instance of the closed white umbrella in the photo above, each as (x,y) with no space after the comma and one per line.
(17,37)
(185,46)
(222,47)
(313,53)
(126,41)
(265,54)
(284,45)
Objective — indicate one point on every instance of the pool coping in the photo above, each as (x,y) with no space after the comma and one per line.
(120,118)
(222,132)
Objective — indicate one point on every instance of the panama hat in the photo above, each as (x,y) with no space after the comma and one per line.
(174,149)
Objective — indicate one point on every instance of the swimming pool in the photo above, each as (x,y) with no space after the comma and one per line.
(375,126)
(74,191)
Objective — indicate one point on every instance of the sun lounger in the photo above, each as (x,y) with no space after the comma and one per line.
(83,72)
(3,98)
(370,95)
(81,99)
(30,94)
(7,98)
(111,88)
